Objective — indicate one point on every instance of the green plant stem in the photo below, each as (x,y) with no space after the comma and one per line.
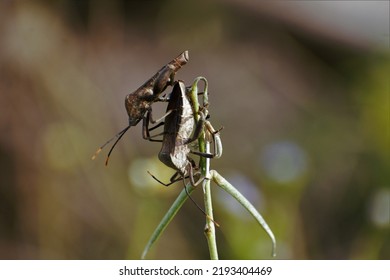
(204,165)
(210,224)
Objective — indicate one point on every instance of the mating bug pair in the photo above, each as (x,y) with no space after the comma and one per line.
(182,123)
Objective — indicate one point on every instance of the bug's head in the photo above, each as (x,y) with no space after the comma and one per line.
(137,104)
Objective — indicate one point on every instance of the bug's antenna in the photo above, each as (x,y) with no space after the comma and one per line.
(118,136)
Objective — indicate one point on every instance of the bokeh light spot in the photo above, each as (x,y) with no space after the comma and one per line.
(142,181)
(283,161)
(380,208)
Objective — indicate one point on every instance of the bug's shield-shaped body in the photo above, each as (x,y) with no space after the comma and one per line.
(178,128)
(140,101)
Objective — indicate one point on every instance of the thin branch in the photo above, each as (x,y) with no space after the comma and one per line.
(204,165)
(230,189)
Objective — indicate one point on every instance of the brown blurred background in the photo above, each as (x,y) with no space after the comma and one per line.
(302,89)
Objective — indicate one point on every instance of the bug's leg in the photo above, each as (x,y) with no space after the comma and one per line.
(192,174)
(216,136)
(198,129)
(145,126)
(206,155)
(146,130)
(156,126)
(194,184)
(188,89)
(159,119)
(173,179)
(218,144)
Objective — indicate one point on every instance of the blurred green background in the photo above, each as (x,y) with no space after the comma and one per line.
(302,89)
